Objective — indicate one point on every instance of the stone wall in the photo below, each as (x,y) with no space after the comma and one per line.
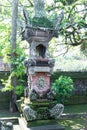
(79,94)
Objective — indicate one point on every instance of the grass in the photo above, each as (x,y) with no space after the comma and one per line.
(73,124)
(75,108)
(69,124)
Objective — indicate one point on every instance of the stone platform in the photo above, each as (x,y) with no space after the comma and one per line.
(23,126)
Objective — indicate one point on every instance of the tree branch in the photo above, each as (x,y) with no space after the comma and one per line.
(30,2)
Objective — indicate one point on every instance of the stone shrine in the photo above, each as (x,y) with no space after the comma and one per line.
(39,102)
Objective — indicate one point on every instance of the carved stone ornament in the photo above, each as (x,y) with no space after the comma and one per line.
(57,111)
(29,113)
(51,62)
(41,83)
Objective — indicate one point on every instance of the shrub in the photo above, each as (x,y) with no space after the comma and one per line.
(62,88)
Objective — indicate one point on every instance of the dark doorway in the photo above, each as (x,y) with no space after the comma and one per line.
(40,51)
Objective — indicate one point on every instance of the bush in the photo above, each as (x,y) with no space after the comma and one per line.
(62,88)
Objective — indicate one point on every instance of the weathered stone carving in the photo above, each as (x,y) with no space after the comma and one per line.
(50,95)
(33,95)
(51,62)
(31,62)
(57,110)
(29,113)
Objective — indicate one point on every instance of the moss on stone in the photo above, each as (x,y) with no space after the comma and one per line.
(41,22)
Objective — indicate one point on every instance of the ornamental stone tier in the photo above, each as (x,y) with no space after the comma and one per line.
(39,101)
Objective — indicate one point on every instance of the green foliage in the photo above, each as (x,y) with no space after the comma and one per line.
(19,90)
(5,48)
(62,88)
(7,84)
(18,71)
(41,22)
(18,61)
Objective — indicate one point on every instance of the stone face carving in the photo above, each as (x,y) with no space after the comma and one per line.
(57,110)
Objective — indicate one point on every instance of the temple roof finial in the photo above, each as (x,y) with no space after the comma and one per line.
(39,8)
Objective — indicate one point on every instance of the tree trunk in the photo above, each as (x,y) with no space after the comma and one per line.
(13,47)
